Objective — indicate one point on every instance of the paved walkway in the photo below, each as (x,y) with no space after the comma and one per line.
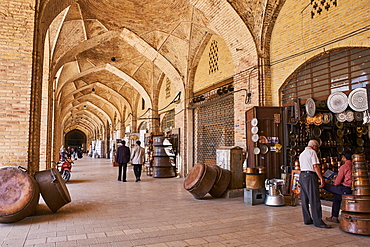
(158,212)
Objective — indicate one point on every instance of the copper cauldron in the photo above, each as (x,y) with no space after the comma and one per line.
(357,223)
(353,203)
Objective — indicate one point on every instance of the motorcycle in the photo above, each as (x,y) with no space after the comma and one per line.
(64,168)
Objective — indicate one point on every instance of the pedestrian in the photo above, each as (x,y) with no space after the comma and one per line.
(342,185)
(62,153)
(122,158)
(138,159)
(309,185)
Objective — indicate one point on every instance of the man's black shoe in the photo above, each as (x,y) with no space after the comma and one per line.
(324,226)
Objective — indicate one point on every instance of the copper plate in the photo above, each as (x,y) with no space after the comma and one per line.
(337,102)
(318,119)
(342,117)
(359,116)
(350,116)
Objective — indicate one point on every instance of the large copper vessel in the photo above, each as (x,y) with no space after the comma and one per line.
(353,203)
(200,180)
(221,183)
(357,223)
(19,195)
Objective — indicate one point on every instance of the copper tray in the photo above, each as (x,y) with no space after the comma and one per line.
(337,102)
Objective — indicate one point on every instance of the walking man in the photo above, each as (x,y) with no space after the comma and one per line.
(138,159)
(122,158)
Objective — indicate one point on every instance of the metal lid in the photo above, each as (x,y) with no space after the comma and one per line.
(357,99)
(337,102)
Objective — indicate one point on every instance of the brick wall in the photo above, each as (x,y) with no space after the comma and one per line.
(295,32)
(16,42)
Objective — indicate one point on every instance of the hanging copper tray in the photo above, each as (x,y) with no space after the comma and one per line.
(339,124)
(310,120)
(359,116)
(318,119)
(337,102)
(316,132)
(360,142)
(310,107)
(264,149)
(326,118)
(357,99)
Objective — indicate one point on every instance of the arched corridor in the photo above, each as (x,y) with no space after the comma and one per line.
(159,212)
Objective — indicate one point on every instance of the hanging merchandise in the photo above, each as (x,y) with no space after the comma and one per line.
(357,99)
(337,102)
(310,107)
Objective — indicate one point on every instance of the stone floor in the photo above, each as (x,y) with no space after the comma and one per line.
(158,212)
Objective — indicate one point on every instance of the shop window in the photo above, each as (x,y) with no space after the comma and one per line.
(338,70)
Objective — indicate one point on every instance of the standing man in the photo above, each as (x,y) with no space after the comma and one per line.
(341,186)
(138,159)
(309,182)
(122,158)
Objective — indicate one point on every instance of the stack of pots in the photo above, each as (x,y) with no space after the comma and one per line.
(162,167)
(203,179)
(255,177)
(355,215)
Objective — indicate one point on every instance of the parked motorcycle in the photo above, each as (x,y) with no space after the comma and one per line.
(64,168)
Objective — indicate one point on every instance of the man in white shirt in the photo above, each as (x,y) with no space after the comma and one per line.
(138,159)
(309,182)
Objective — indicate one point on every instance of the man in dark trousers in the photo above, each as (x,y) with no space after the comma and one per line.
(138,159)
(309,182)
(122,158)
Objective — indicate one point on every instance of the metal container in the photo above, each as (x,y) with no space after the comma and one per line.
(221,183)
(19,195)
(361,191)
(358,157)
(251,170)
(200,180)
(162,166)
(354,203)
(53,189)
(357,223)
(363,181)
(254,181)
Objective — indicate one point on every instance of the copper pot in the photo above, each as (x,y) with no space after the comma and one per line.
(254,181)
(353,203)
(358,157)
(357,223)
(251,170)
(361,190)
(261,170)
(360,173)
(360,165)
(361,182)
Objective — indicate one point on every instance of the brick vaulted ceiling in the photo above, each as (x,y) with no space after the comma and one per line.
(106,55)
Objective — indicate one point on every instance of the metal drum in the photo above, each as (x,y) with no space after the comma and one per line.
(357,204)
(162,167)
(221,183)
(357,223)
(200,180)
(19,195)
(53,189)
